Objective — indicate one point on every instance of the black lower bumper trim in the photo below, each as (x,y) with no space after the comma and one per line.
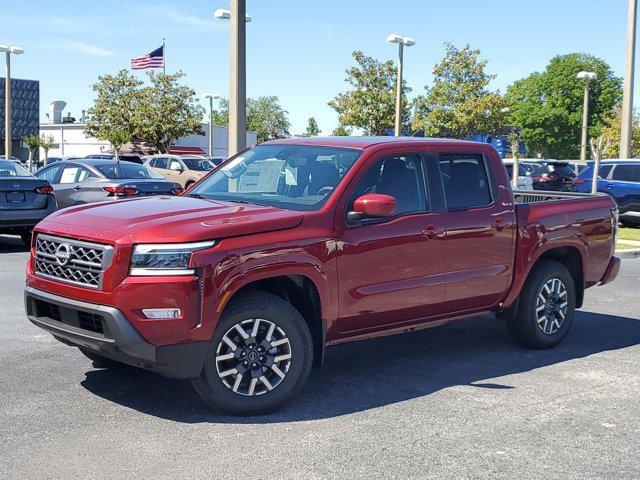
(117,340)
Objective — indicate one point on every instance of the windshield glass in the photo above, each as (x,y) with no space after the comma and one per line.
(118,170)
(297,177)
(199,164)
(11,169)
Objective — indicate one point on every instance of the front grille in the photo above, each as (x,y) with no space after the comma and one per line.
(75,318)
(72,261)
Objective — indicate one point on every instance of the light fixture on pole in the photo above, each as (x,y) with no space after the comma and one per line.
(211,97)
(587,77)
(402,42)
(238,73)
(7,97)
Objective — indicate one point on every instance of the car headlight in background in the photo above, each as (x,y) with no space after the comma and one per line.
(165,258)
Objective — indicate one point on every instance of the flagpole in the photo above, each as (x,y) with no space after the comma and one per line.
(164,57)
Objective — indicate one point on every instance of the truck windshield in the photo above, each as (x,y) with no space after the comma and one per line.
(296,177)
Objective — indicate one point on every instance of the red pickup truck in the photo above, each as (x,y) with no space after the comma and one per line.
(291,246)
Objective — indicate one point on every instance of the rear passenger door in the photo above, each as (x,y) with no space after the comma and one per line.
(480,231)
(623,185)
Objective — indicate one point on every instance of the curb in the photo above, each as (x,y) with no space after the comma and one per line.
(628,253)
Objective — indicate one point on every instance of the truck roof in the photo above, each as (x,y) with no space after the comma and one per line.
(365,142)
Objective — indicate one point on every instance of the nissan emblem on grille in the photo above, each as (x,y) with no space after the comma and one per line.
(70,261)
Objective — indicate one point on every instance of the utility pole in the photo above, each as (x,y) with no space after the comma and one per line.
(238,90)
(627,98)
(587,77)
(7,97)
(401,41)
(211,97)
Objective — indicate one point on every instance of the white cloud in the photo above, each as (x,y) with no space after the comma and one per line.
(84,48)
(173,15)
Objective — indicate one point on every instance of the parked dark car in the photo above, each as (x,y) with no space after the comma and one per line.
(83,181)
(552,175)
(621,180)
(122,157)
(24,200)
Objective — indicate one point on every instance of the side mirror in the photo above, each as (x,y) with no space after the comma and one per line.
(372,205)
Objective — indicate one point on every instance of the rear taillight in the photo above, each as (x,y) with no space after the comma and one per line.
(541,178)
(45,190)
(120,191)
(177,191)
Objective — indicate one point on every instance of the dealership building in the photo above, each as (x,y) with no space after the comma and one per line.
(25,112)
(70,140)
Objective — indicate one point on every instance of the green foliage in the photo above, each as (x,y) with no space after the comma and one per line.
(610,131)
(32,141)
(312,128)
(548,105)
(166,111)
(341,131)
(459,104)
(46,142)
(370,105)
(113,114)
(265,116)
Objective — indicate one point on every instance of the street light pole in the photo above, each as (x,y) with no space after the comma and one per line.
(627,98)
(587,76)
(211,97)
(401,41)
(238,81)
(7,98)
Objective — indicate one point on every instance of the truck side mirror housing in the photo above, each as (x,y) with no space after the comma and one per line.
(372,205)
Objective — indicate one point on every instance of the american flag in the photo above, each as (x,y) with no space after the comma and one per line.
(154,59)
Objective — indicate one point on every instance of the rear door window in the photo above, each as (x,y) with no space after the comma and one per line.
(626,173)
(69,174)
(465,181)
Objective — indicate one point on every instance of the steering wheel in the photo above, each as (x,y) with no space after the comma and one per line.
(325,190)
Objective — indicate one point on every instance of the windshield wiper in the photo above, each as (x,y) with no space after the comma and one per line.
(247,202)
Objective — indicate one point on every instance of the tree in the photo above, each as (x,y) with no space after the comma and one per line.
(459,104)
(547,106)
(166,111)
(611,125)
(265,116)
(46,143)
(371,104)
(312,128)
(341,131)
(33,143)
(113,114)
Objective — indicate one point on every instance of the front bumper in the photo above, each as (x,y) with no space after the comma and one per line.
(106,331)
(15,220)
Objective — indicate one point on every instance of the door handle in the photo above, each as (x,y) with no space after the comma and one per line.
(431,231)
(77,187)
(499,224)
(609,185)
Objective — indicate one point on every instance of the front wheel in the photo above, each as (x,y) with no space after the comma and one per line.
(259,358)
(546,306)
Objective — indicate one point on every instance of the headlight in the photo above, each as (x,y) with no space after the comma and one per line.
(164,258)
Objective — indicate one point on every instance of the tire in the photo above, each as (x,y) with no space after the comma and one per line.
(25,236)
(100,361)
(236,396)
(629,224)
(541,329)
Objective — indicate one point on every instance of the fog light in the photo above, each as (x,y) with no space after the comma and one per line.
(160,313)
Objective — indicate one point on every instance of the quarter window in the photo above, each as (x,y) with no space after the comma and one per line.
(69,174)
(465,181)
(49,174)
(398,176)
(161,162)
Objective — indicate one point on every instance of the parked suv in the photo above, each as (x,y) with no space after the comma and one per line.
(299,244)
(621,180)
(83,181)
(24,200)
(552,175)
(183,169)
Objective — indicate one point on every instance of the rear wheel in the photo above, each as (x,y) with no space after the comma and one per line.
(25,236)
(259,358)
(546,306)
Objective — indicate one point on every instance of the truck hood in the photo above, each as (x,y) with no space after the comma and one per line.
(165,219)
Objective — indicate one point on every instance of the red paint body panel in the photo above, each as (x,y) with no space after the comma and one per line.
(403,272)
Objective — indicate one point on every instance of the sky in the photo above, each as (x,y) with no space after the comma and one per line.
(298,50)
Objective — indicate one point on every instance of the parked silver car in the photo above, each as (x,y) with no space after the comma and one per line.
(85,180)
(24,200)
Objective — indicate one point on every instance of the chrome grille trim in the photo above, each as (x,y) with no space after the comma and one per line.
(85,266)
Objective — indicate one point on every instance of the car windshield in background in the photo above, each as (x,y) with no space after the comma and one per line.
(12,169)
(563,169)
(297,177)
(119,170)
(198,164)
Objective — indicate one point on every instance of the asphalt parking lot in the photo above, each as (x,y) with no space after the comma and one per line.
(459,401)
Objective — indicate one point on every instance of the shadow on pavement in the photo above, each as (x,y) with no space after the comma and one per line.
(11,244)
(374,373)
